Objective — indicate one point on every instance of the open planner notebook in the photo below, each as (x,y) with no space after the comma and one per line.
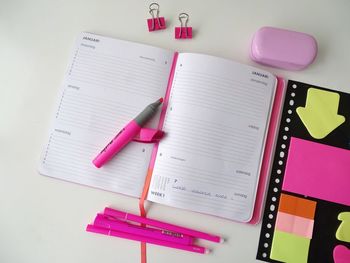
(215,117)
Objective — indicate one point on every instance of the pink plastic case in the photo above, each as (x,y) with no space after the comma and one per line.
(283,48)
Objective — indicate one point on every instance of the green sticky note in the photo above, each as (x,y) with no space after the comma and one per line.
(320,114)
(289,248)
(343,232)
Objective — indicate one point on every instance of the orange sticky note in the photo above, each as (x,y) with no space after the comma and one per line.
(297,206)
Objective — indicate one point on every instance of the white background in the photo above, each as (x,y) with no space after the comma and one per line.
(43,219)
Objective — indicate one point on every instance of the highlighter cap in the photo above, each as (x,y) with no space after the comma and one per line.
(281,48)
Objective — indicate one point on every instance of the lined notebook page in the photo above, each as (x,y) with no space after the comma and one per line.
(107,83)
(216,125)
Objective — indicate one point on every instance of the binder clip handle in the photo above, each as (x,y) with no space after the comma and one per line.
(156,22)
(183,31)
(154,7)
(184,17)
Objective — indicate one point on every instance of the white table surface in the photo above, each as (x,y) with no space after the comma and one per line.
(43,219)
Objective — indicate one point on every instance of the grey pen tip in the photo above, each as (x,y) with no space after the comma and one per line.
(157,103)
(148,112)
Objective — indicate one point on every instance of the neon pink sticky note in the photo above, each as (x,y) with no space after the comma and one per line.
(318,170)
(293,224)
(341,254)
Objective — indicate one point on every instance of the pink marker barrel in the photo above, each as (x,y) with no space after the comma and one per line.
(117,143)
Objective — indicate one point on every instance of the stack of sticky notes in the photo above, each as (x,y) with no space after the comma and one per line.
(293,229)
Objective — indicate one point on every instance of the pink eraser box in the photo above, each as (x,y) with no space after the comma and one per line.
(283,48)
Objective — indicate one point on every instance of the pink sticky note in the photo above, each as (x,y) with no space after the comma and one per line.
(293,224)
(318,170)
(341,254)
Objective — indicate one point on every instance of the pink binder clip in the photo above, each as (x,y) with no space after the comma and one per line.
(183,31)
(156,22)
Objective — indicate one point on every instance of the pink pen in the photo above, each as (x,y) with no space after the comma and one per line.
(126,134)
(162,225)
(123,226)
(109,232)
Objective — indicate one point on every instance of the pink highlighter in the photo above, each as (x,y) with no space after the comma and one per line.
(127,134)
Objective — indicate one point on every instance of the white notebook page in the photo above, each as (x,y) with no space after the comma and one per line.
(215,126)
(107,83)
